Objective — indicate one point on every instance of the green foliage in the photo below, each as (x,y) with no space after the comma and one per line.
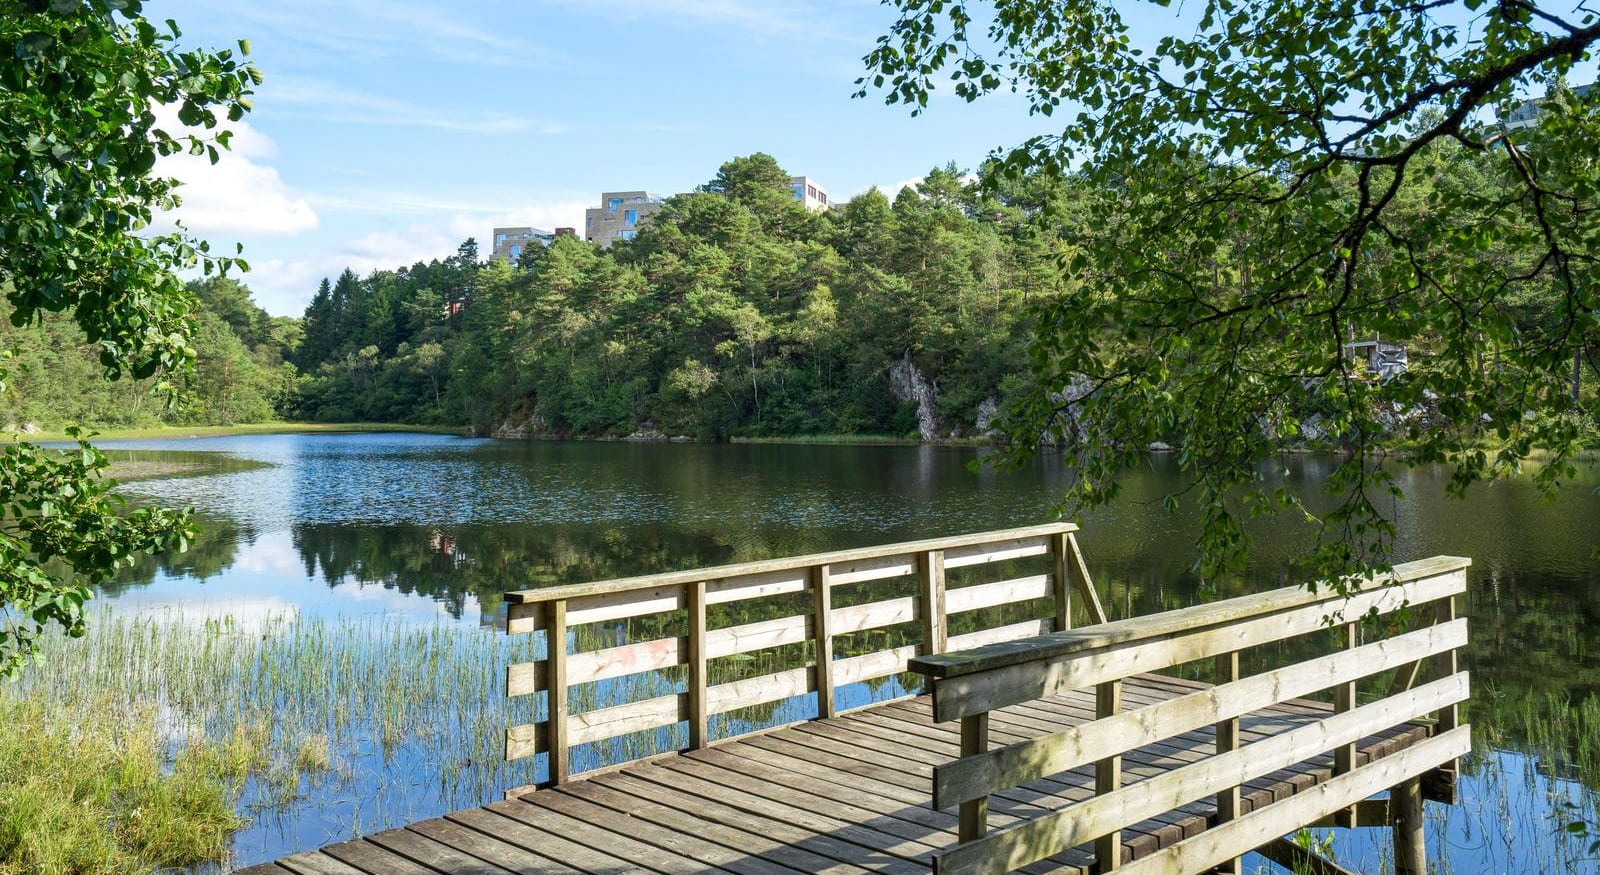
(1264,183)
(80,82)
(63,530)
(734,312)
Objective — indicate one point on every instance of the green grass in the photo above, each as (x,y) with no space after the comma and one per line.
(198,431)
(81,796)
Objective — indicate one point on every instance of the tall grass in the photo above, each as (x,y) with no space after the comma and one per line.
(355,724)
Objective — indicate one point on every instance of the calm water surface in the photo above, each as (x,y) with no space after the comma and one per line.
(427,527)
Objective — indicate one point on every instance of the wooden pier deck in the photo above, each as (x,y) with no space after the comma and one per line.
(1057,753)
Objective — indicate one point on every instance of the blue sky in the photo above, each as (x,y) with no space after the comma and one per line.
(388,132)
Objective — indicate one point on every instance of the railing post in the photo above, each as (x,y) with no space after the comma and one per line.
(823,633)
(935,625)
(694,599)
(1061,583)
(974,812)
(555,630)
(1441,784)
(1344,699)
(1227,671)
(1108,775)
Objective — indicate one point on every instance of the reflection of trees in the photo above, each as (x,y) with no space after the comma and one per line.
(212,552)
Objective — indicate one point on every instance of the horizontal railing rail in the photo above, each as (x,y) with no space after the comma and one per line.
(968,685)
(815,581)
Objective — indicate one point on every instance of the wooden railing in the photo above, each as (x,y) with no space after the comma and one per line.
(685,596)
(968,685)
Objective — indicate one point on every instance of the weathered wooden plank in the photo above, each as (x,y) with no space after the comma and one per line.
(1071,748)
(698,680)
(555,619)
(996,551)
(872,665)
(974,812)
(1013,632)
(755,585)
(1227,739)
(1297,859)
(872,843)
(823,836)
(307,863)
(1060,579)
(369,858)
(553,845)
(1085,583)
(1255,828)
(761,635)
(638,854)
(1072,826)
(968,693)
(875,568)
(525,740)
(822,627)
(1108,779)
(1197,617)
(641,716)
(750,569)
(1003,592)
(275,869)
(663,826)
(935,619)
(760,690)
(1344,699)
(502,854)
(874,615)
(601,607)
(436,856)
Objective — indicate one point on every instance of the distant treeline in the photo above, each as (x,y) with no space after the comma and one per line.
(734,311)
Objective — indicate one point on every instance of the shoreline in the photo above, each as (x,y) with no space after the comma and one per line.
(183,432)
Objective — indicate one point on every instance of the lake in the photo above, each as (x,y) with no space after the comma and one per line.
(378,534)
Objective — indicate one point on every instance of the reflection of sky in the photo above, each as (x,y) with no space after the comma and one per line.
(268,580)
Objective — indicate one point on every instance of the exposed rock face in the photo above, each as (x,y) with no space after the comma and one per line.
(987,411)
(908,384)
(521,428)
(1068,428)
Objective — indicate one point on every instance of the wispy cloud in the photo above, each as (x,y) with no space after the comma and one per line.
(762,17)
(336,103)
(383,29)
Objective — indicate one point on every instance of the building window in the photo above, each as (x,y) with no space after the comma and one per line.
(797,189)
(638,200)
(627,234)
(630,218)
(588,223)
(822,196)
(516,250)
(611,205)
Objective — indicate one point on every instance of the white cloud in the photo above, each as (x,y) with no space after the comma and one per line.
(284,286)
(238,194)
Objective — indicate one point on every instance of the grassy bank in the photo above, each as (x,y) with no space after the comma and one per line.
(852,439)
(173,432)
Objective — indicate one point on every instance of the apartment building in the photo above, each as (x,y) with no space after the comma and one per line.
(509,242)
(1526,114)
(619,215)
(809,193)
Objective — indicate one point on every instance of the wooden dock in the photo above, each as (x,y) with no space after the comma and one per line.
(1036,751)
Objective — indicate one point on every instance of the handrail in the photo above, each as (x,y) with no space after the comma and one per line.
(969,685)
(681,599)
(1133,629)
(762,566)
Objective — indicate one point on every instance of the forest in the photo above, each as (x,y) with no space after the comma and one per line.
(735,312)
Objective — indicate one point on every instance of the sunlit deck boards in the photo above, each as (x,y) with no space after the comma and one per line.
(848,794)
